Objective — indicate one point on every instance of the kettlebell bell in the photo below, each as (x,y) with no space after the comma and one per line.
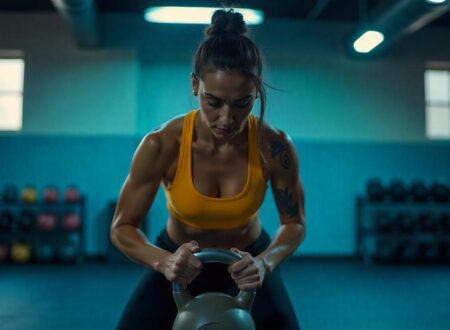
(213,310)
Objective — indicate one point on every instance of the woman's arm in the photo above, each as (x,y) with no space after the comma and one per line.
(136,196)
(288,193)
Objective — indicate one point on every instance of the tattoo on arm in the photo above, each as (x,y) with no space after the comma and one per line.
(285,202)
(281,148)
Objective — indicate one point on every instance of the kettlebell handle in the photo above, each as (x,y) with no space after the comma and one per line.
(211,255)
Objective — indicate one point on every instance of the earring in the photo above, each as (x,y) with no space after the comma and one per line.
(194,92)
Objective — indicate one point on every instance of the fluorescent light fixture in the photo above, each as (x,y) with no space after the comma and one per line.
(196,15)
(436,1)
(368,41)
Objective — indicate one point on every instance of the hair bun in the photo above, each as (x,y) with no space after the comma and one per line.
(226,22)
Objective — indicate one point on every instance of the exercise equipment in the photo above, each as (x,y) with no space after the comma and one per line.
(213,310)
(444,222)
(21,252)
(440,192)
(405,222)
(51,194)
(432,252)
(72,194)
(427,222)
(6,220)
(9,194)
(67,252)
(4,251)
(410,251)
(384,222)
(44,252)
(74,238)
(29,195)
(47,221)
(375,190)
(26,220)
(71,221)
(419,191)
(446,252)
(397,190)
(386,250)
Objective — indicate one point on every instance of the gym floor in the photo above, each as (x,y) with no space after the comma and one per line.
(333,294)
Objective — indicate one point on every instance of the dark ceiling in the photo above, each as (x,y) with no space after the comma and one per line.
(338,10)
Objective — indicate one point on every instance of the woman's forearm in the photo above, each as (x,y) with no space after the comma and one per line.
(285,242)
(135,245)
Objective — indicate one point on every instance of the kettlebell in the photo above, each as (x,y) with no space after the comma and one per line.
(213,310)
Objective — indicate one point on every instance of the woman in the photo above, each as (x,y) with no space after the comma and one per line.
(214,164)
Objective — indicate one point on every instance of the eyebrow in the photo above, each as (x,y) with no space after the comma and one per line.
(211,95)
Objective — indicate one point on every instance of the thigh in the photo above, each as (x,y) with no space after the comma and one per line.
(151,305)
(272,308)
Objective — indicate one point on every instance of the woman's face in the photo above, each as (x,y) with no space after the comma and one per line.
(226,99)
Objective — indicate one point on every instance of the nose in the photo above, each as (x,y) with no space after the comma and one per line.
(226,117)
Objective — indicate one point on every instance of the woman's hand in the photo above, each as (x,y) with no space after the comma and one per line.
(249,272)
(182,266)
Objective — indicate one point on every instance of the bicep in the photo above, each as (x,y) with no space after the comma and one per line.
(141,185)
(286,184)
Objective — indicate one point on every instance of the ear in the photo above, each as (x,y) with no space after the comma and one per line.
(194,81)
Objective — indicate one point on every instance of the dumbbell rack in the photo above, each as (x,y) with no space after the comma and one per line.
(56,236)
(367,235)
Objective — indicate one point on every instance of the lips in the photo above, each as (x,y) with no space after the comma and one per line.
(224,131)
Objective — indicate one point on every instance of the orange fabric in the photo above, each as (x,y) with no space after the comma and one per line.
(191,207)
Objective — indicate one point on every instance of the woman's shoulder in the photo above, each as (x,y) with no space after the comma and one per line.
(167,135)
(270,134)
(276,145)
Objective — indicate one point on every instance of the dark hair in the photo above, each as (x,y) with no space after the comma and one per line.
(227,47)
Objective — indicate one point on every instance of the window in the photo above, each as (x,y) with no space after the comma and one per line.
(437,103)
(11,93)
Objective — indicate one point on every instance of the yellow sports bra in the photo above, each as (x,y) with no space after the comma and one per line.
(191,207)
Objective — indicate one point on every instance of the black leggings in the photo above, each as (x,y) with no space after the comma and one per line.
(151,306)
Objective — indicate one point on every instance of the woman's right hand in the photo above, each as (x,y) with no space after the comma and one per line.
(182,266)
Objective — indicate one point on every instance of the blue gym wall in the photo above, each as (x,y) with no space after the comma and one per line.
(85,111)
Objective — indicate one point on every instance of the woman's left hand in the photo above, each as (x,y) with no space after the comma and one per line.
(247,273)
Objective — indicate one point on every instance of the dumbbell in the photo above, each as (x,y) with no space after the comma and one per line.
(418,191)
(440,191)
(6,220)
(26,220)
(4,251)
(29,194)
(396,190)
(72,194)
(21,252)
(427,222)
(384,222)
(375,190)
(9,194)
(71,221)
(47,221)
(44,252)
(67,252)
(446,252)
(411,251)
(432,252)
(405,222)
(444,222)
(51,194)
(386,251)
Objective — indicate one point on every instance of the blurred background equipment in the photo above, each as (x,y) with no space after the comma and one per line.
(47,230)
(411,226)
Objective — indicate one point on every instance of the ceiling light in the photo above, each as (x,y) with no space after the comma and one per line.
(196,15)
(368,41)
